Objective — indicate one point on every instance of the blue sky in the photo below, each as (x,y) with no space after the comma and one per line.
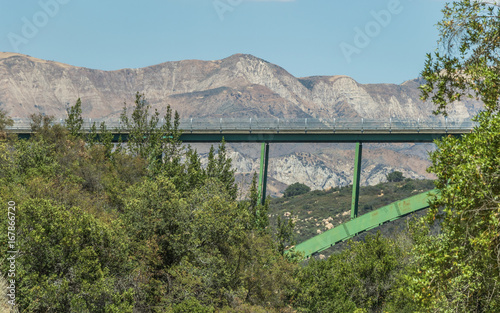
(373,41)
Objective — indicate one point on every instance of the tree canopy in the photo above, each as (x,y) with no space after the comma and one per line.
(296,189)
(458,270)
(140,228)
(395,176)
(467,61)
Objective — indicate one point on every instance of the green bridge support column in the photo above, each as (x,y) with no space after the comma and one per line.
(355,182)
(261,169)
(264,165)
(264,177)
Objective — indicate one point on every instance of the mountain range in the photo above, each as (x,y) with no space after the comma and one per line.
(241,85)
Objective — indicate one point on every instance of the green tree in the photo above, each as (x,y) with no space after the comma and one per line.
(360,277)
(296,189)
(467,62)
(68,260)
(5,120)
(458,270)
(91,137)
(40,122)
(220,167)
(74,121)
(152,140)
(258,213)
(7,157)
(284,234)
(36,157)
(395,176)
(106,139)
(460,267)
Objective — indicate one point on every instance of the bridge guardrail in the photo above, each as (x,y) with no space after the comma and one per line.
(281,124)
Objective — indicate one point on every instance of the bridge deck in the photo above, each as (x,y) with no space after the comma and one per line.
(297,130)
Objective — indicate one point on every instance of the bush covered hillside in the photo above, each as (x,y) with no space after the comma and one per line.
(317,211)
(140,227)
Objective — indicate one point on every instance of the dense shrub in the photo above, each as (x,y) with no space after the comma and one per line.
(295,190)
(395,176)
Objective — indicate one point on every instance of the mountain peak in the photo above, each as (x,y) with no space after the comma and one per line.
(243,56)
(8,55)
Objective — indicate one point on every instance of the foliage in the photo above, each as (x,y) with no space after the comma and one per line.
(74,122)
(191,305)
(106,229)
(468,62)
(296,189)
(106,139)
(151,139)
(395,176)
(68,260)
(220,167)
(360,277)
(40,122)
(5,121)
(258,211)
(459,269)
(284,234)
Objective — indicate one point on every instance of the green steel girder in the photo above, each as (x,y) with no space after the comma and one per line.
(312,137)
(364,222)
(291,137)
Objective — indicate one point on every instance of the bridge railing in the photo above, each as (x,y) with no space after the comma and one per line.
(281,124)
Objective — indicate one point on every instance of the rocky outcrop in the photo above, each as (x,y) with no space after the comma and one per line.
(331,168)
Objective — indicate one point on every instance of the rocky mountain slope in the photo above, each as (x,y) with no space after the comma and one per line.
(238,86)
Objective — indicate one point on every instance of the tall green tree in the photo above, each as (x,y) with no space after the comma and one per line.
(151,139)
(220,166)
(5,120)
(106,139)
(74,121)
(258,212)
(459,269)
(467,62)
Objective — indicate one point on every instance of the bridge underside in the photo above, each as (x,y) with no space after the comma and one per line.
(364,222)
(297,136)
(317,137)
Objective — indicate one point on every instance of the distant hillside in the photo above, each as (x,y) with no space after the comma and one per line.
(318,211)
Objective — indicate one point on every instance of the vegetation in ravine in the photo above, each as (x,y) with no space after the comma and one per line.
(317,211)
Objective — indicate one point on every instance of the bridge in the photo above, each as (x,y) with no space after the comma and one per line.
(310,130)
